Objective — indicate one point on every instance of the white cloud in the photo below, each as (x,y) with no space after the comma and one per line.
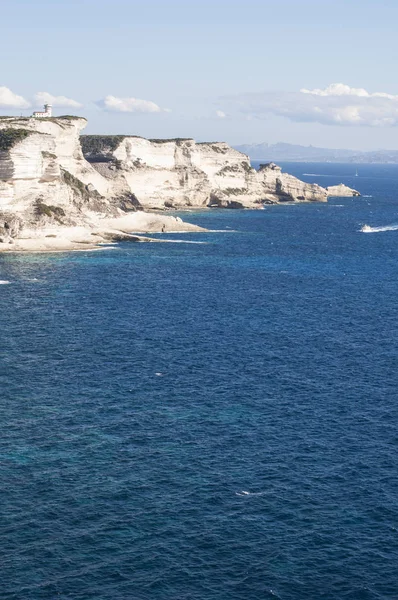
(338,104)
(340,89)
(60,101)
(10,100)
(221,114)
(131,105)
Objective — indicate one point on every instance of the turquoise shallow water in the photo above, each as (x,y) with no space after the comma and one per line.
(207,421)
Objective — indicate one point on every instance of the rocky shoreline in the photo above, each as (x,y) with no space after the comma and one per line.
(100,233)
(63,191)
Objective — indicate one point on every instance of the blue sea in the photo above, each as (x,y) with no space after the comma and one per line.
(208,421)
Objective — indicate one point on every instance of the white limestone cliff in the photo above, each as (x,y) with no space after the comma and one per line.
(51,138)
(180,173)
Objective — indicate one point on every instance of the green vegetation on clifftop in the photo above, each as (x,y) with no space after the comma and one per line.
(96,144)
(10,137)
(167,141)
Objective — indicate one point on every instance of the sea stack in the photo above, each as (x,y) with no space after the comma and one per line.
(342,191)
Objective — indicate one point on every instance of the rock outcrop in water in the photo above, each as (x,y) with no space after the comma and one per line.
(342,191)
(51,179)
(181,172)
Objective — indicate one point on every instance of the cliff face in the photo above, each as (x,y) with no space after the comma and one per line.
(181,172)
(44,177)
(37,150)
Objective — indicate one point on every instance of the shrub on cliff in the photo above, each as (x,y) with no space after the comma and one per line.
(10,137)
(45,210)
(78,187)
(97,144)
(167,141)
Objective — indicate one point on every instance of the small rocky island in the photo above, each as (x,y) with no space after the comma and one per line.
(60,190)
(341,191)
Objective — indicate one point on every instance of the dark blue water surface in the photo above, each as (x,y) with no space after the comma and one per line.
(207,421)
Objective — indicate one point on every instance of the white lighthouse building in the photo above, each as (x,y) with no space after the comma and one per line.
(47,112)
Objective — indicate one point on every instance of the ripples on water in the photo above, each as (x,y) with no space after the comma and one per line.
(206,421)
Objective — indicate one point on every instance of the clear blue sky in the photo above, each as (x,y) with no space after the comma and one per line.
(196,58)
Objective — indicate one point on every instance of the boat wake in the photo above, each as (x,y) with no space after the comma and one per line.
(369,229)
(318,175)
(244,493)
(183,242)
(331,175)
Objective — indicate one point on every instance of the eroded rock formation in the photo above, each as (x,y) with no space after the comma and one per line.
(179,173)
(342,191)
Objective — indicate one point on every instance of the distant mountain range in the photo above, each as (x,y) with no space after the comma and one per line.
(297,153)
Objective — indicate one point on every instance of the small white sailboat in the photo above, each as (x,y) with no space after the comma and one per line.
(356,173)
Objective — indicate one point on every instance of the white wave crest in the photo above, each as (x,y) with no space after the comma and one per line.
(244,493)
(183,242)
(321,175)
(369,229)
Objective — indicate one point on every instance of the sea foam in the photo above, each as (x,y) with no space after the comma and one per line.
(369,229)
